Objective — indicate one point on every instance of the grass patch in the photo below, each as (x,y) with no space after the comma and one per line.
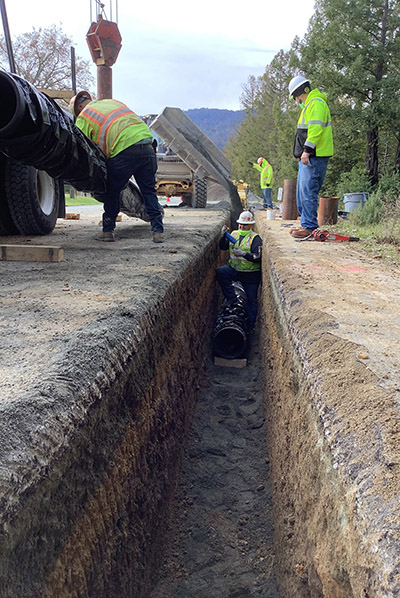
(376,240)
(80,201)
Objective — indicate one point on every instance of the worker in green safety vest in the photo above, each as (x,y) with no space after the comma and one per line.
(127,144)
(313,146)
(266,180)
(244,264)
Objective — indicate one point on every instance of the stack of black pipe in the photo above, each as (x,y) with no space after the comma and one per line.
(35,131)
(232,327)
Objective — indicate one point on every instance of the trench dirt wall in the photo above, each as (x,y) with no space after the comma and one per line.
(90,453)
(332,433)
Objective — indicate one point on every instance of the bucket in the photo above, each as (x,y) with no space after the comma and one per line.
(353,200)
(328,210)
(270,215)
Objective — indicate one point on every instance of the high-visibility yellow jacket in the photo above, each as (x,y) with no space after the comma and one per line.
(266,173)
(240,263)
(112,126)
(314,127)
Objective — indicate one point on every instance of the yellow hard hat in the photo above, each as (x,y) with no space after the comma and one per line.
(77,99)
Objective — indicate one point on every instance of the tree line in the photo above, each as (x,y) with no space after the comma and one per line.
(351,51)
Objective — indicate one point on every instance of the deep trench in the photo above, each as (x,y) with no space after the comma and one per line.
(219,539)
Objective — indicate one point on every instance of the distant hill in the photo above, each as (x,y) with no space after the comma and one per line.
(217,124)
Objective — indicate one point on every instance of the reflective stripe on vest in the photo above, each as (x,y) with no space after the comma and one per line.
(240,263)
(102,124)
(303,125)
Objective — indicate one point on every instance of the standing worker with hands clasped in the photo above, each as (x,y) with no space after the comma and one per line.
(266,180)
(244,264)
(313,146)
(126,142)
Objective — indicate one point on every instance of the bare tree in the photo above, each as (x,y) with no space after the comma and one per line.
(43,57)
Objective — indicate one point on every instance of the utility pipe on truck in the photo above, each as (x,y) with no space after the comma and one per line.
(40,148)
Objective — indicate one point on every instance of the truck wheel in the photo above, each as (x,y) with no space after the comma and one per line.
(187,199)
(33,198)
(7,226)
(199,193)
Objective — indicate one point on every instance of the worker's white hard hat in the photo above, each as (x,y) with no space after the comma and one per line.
(296,82)
(246,218)
(260,160)
(76,100)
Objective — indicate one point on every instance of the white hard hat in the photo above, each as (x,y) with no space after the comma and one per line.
(75,101)
(297,82)
(246,218)
(260,160)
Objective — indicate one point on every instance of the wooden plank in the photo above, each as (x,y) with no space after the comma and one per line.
(72,216)
(31,253)
(230,363)
(58,94)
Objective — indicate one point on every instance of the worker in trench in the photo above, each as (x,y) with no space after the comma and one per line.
(266,179)
(244,264)
(313,146)
(127,144)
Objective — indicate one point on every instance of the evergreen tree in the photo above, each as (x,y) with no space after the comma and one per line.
(352,49)
(269,124)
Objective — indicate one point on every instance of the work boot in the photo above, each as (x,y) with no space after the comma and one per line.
(158,238)
(301,233)
(106,236)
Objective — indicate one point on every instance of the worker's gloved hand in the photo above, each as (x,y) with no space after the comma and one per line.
(238,252)
(224,229)
(251,163)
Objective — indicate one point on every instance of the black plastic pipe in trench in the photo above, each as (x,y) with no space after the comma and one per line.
(35,131)
(231,328)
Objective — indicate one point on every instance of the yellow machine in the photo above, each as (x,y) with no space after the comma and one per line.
(243,190)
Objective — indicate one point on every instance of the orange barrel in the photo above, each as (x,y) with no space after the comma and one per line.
(328,210)
(289,207)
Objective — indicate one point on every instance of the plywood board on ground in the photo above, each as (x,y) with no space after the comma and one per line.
(31,253)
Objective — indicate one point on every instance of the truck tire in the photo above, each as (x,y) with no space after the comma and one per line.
(7,226)
(199,193)
(33,198)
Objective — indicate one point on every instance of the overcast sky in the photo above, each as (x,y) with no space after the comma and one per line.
(175,53)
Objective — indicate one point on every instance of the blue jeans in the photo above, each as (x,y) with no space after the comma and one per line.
(226,275)
(309,182)
(139,161)
(266,195)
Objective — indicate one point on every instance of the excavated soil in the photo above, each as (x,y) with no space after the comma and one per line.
(341,311)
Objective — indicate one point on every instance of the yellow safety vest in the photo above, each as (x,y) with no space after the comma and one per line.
(240,263)
(314,127)
(266,173)
(112,126)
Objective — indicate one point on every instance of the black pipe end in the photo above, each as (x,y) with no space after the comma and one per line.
(12,104)
(230,342)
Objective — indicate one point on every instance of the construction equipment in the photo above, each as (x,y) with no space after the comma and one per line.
(195,161)
(40,147)
(104,41)
(324,235)
(243,191)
